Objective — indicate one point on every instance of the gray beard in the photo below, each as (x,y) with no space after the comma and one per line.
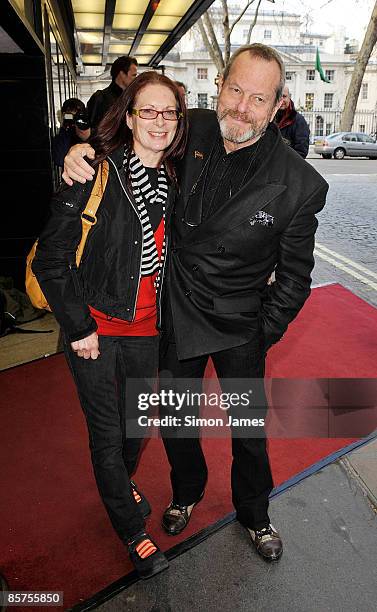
(233,135)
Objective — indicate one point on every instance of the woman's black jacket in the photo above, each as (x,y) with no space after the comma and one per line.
(108,277)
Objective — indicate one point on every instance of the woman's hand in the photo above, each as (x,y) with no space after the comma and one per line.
(87,347)
(75,166)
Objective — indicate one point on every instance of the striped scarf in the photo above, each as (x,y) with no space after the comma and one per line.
(143,192)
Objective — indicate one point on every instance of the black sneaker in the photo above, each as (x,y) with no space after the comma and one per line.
(141,500)
(146,556)
(268,543)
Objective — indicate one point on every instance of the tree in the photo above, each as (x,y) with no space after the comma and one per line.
(209,21)
(365,52)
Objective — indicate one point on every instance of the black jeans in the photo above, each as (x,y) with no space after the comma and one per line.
(251,474)
(101,385)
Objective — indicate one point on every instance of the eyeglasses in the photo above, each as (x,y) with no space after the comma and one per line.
(151,113)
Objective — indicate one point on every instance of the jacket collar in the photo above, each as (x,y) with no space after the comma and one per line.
(256,194)
(117,157)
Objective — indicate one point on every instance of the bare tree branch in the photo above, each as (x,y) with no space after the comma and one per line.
(213,42)
(240,15)
(350,104)
(227,31)
(251,28)
(207,44)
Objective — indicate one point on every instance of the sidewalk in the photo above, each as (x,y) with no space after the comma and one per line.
(329,525)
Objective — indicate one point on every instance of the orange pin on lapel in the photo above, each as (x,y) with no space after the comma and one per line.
(198,154)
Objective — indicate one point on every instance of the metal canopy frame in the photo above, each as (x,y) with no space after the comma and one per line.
(148,54)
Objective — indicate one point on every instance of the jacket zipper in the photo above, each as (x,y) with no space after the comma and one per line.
(142,235)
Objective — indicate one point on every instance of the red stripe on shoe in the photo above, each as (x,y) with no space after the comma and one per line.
(145,549)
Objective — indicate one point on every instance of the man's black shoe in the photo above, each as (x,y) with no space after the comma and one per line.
(141,500)
(268,543)
(146,556)
(176,517)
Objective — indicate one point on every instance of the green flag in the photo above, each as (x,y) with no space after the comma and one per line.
(318,66)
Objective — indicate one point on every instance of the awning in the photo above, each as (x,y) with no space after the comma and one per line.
(145,29)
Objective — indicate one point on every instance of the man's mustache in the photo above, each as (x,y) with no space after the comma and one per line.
(236,115)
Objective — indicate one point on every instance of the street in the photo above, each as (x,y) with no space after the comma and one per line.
(346,238)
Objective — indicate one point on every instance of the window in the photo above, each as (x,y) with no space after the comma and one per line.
(319,126)
(289,76)
(268,34)
(202,74)
(328,100)
(309,101)
(330,75)
(310,75)
(364,91)
(328,128)
(362,128)
(202,100)
(364,137)
(350,138)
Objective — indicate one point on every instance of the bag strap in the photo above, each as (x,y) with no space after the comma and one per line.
(88,216)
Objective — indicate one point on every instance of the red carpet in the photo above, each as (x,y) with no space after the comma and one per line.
(55,533)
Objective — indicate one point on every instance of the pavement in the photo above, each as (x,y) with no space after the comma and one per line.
(329,524)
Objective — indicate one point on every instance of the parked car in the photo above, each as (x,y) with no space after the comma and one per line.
(353,144)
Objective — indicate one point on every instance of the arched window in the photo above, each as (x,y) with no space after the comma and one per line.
(319,125)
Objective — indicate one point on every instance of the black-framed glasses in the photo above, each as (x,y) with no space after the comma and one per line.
(151,113)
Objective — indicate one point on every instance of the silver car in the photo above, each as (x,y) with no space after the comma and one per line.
(353,144)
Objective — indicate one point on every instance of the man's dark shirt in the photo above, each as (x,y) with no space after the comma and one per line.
(226,174)
(223,176)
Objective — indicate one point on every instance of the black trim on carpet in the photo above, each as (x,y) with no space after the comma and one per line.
(181,548)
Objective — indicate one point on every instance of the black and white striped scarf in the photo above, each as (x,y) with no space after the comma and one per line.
(143,192)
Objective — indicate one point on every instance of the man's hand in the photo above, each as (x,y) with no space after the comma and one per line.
(75,166)
(87,347)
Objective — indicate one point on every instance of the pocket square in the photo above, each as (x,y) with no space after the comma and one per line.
(263,218)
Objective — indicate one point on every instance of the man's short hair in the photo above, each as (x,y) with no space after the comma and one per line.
(124,63)
(73,104)
(263,52)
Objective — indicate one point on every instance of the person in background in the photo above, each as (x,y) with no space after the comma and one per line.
(108,307)
(75,129)
(123,72)
(292,125)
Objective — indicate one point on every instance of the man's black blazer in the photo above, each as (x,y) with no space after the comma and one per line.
(218,271)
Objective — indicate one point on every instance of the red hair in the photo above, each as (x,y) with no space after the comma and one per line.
(113,131)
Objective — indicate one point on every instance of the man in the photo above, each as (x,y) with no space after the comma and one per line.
(246,207)
(292,125)
(123,71)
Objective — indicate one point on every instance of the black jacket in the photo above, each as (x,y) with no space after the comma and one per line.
(296,133)
(218,272)
(61,144)
(100,102)
(109,272)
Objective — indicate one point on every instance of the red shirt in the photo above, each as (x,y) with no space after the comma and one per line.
(144,323)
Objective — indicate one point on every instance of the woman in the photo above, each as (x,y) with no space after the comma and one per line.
(107,308)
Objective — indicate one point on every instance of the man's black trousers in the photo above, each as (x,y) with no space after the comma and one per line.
(251,474)
(102,386)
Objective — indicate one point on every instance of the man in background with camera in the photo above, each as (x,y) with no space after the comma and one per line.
(75,129)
